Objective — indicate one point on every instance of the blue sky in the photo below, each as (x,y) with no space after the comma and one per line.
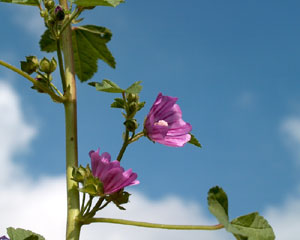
(234,65)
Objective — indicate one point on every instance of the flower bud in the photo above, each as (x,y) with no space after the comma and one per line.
(49,4)
(44,13)
(53,65)
(132,97)
(45,65)
(59,13)
(131,125)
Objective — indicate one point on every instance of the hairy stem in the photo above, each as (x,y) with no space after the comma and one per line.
(73,226)
(153,225)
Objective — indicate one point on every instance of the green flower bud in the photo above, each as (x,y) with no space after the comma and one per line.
(45,65)
(44,13)
(132,109)
(132,97)
(131,125)
(53,64)
(49,4)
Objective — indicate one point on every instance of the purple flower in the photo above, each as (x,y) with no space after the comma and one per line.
(164,123)
(111,174)
(4,238)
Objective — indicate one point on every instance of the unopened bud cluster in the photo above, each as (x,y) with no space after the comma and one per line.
(132,107)
(42,68)
(52,13)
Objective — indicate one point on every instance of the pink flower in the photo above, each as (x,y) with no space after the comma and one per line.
(164,123)
(111,174)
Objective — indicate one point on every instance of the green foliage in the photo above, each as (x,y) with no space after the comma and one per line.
(247,227)
(31,64)
(24,2)
(92,3)
(107,86)
(118,103)
(111,87)
(254,226)
(89,45)
(218,204)
(194,141)
(135,88)
(47,43)
(22,234)
(119,198)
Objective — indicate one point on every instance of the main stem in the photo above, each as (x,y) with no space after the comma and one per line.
(73,226)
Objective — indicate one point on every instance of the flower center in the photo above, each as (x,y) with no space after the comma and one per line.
(161,123)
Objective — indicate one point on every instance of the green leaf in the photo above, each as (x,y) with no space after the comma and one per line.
(91,3)
(47,43)
(135,88)
(89,45)
(107,86)
(24,2)
(22,234)
(194,141)
(218,204)
(118,103)
(254,226)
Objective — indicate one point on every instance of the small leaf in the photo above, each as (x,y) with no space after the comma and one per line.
(254,226)
(194,141)
(135,88)
(47,43)
(22,234)
(107,86)
(140,105)
(91,3)
(24,2)
(218,204)
(118,103)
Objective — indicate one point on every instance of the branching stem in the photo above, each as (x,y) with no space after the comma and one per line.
(153,225)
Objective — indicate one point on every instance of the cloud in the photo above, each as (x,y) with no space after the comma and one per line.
(41,205)
(285,219)
(291,133)
(15,135)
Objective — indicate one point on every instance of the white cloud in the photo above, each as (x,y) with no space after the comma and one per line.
(15,132)
(291,132)
(285,219)
(41,206)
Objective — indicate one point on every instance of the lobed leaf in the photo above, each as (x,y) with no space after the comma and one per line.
(47,44)
(22,234)
(92,3)
(89,45)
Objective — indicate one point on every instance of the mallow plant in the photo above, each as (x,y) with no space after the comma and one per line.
(104,181)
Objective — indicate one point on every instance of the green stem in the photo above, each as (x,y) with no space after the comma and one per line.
(74,14)
(125,144)
(61,65)
(136,137)
(73,210)
(34,81)
(92,213)
(153,225)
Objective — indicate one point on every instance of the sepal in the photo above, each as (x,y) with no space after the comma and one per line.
(119,198)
